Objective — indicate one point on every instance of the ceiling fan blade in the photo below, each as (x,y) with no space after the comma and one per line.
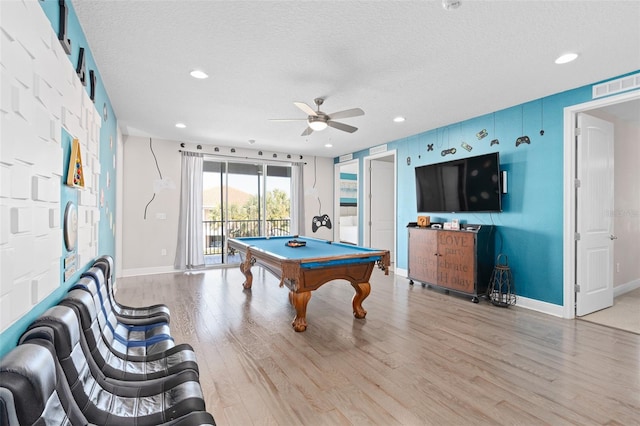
(307,132)
(306,108)
(287,119)
(353,112)
(341,126)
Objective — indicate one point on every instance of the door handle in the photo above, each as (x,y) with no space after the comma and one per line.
(613,237)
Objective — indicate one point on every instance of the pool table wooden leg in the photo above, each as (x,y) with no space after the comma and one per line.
(362,291)
(299,301)
(245,268)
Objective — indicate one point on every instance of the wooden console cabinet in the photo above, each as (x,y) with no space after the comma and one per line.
(460,261)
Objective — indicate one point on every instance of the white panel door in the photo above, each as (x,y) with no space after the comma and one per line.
(594,222)
(381,202)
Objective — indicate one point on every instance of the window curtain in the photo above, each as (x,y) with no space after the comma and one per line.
(190,249)
(297,199)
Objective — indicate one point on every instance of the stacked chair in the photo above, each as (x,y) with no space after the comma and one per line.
(82,363)
(155,313)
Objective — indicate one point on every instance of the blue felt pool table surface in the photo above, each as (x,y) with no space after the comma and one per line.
(314,249)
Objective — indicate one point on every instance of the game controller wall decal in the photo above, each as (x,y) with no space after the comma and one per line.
(523,139)
(322,219)
(542,117)
(448,151)
(319,221)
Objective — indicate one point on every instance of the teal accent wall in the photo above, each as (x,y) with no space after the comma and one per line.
(530,227)
(108,146)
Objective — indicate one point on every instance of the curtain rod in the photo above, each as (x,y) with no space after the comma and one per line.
(290,160)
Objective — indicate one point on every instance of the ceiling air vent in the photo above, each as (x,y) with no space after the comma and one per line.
(378,149)
(616,86)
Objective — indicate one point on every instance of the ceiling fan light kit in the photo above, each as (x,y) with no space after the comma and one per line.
(318,120)
(317,123)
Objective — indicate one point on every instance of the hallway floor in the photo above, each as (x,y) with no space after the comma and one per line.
(623,315)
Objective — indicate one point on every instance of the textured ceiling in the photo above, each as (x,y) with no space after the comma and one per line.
(410,58)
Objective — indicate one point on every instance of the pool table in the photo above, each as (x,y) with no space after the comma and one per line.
(306,268)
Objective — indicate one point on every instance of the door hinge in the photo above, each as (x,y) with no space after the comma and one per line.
(577,183)
(577,288)
(576,236)
(577,131)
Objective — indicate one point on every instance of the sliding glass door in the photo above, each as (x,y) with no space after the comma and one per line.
(243,200)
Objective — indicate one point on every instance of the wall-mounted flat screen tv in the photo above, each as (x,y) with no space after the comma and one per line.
(465,185)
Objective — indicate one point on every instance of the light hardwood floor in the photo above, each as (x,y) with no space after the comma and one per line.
(419,358)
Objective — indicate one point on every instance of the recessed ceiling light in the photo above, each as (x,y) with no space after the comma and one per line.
(566,58)
(328,145)
(181,125)
(199,74)
(399,119)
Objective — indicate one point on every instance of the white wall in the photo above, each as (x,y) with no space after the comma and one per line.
(318,199)
(143,240)
(626,212)
(40,95)
(626,221)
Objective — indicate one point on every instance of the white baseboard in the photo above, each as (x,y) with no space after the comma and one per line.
(539,306)
(135,272)
(523,302)
(626,288)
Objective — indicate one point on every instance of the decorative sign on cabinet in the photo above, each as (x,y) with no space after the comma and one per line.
(459,261)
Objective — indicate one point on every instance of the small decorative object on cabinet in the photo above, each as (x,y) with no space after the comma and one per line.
(501,291)
(460,261)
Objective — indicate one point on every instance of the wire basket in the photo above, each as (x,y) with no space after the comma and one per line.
(501,291)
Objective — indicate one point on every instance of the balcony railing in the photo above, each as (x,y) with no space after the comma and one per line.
(214,235)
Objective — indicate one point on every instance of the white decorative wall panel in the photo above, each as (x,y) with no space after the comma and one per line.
(5,181)
(23,260)
(12,27)
(43,188)
(42,285)
(54,217)
(21,220)
(21,65)
(5,92)
(20,181)
(4,225)
(48,158)
(42,91)
(16,302)
(41,221)
(20,104)
(6,272)
(42,122)
(40,94)
(26,145)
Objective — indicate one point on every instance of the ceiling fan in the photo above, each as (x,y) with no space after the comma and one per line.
(318,120)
